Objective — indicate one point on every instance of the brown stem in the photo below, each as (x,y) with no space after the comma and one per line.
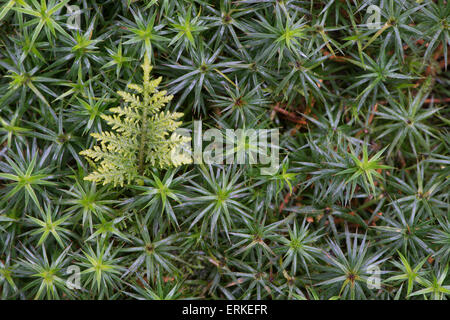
(286,199)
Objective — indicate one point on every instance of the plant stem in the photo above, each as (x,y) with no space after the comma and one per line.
(142,143)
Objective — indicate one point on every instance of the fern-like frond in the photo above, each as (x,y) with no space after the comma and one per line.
(140,138)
